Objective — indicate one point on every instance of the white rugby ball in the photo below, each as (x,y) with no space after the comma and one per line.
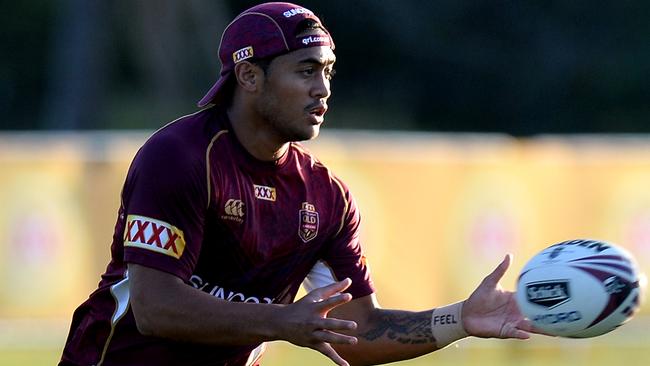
(579,288)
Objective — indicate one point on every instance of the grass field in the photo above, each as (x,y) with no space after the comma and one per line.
(510,355)
(629,346)
(494,353)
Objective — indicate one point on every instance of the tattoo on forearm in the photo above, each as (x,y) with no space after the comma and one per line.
(406,328)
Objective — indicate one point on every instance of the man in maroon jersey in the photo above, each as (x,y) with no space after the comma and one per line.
(224,214)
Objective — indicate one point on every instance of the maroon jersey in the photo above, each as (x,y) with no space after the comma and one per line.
(197,205)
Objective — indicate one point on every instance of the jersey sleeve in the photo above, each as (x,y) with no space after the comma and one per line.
(344,256)
(165,200)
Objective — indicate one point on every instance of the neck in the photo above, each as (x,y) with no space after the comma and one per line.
(254,134)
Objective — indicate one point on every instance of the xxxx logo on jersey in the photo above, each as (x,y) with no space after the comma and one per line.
(155,235)
(264,192)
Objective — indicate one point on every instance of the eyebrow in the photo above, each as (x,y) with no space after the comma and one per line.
(316,61)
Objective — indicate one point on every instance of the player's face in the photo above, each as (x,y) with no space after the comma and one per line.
(294,94)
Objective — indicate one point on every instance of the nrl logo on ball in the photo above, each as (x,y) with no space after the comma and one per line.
(548,293)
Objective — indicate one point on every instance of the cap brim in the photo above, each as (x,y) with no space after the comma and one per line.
(214,92)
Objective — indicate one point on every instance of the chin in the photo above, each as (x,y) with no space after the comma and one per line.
(315,131)
(307,134)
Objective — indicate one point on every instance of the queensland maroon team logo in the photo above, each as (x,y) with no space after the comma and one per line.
(308,228)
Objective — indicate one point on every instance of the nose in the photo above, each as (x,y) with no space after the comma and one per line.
(321,87)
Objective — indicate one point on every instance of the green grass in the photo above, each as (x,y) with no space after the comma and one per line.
(630,348)
(513,353)
(492,353)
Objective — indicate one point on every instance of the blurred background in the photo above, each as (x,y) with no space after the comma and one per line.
(465,129)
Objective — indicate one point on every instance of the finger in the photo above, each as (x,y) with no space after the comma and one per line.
(509,330)
(527,326)
(325,292)
(518,334)
(328,351)
(334,301)
(333,337)
(336,324)
(496,275)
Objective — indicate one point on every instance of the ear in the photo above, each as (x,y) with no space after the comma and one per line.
(249,76)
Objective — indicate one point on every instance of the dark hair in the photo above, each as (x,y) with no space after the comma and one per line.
(263,63)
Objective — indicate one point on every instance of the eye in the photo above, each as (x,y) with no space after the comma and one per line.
(329,73)
(308,71)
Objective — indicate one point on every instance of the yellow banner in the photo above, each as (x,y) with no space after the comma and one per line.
(438,211)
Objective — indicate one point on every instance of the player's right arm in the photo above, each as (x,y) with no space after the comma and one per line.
(164,306)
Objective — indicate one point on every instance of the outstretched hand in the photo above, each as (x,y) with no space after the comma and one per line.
(492,312)
(309,326)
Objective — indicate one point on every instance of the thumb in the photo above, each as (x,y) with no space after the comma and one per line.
(493,278)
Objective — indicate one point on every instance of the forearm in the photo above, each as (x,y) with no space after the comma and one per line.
(194,316)
(165,306)
(390,335)
(393,335)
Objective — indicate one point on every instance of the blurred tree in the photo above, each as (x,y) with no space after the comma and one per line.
(136,77)
(172,50)
(80,60)
(515,67)
(24,42)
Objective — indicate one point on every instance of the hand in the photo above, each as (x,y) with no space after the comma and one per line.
(309,326)
(490,311)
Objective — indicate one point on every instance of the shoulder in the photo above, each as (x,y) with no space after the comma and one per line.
(190,132)
(176,153)
(181,141)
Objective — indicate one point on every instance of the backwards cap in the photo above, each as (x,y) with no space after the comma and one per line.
(265,30)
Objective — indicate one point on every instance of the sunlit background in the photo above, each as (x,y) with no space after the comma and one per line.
(465,130)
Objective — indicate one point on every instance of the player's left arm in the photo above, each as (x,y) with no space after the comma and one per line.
(384,335)
(390,335)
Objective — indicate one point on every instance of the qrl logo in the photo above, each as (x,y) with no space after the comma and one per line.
(307,40)
(264,192)
(155,235)
(235,208)
(548,293)
(243,54)
(308,228)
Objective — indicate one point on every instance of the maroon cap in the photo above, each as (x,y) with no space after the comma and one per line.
(265,30)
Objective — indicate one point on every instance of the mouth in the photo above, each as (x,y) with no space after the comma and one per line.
(318,110)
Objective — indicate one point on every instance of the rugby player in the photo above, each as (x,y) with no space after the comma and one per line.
(224,214)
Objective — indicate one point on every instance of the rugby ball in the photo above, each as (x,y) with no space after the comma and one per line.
(579,288)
